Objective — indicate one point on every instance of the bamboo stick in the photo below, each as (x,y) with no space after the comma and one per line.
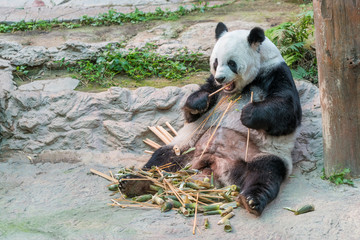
(248,135)
(148,152)
(104,175)
(203,123)
(133,205)
(159,135)
(220,89)
(167,133)
(196,207)
(152,143)
(164,133)
(212,135)
(171,128)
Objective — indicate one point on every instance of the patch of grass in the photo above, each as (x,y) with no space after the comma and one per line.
(22,73)
(137,64)
(341,177)
(292,39)
(112,17)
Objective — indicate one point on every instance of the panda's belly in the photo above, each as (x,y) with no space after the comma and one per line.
(225,144)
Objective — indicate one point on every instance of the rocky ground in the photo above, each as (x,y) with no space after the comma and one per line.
(52,135)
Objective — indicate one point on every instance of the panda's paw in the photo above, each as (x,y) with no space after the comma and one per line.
(251,203)
(198,102)
(132,188)
(247,115)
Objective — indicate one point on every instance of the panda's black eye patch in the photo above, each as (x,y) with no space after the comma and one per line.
(232,65)
(215,64)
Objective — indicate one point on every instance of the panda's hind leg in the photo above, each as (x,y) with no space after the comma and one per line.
(162,156)
(261,182)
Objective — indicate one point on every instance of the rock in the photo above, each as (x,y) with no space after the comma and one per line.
(69,120)
(73,51)
(37,56)
(308,145)
(54,85)
(31,56)
(6,87)
(9,49)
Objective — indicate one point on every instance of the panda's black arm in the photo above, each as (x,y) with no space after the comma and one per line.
(276,115)
(199,102)
(280,112)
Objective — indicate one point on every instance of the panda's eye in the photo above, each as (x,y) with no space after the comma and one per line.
(232,66)
(215,64)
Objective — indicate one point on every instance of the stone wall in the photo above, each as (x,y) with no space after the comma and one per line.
(117,119)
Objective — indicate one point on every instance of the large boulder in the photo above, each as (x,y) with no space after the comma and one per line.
(117,119)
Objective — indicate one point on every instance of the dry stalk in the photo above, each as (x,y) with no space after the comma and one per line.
(196,207)
(248,135)
(217,126)
(133,205)
(171,128)
(203,123)
(103,175)
(159,135)
(152,143)
(220,89)
(165,133)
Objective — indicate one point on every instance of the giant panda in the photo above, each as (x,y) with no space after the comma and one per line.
(243,61)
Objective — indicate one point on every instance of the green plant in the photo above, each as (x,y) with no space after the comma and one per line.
(21,72)
(136,63)
(110,18)
(341,177)
(292,40)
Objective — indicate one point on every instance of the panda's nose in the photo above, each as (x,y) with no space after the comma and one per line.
(220,79)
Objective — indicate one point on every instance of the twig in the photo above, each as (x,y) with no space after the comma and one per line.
(203,123)
(220,89)
(171,128)
(196,207)
(159,134)
(148,152)
(212,135)
(103,175)
(133,205)
(152,143)
(165,133)
(248,135)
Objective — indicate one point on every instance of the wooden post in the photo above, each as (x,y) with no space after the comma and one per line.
(337,32)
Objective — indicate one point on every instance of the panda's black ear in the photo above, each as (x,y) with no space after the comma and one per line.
(220,30)
(256,36)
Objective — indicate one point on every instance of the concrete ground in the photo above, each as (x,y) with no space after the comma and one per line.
(47,200)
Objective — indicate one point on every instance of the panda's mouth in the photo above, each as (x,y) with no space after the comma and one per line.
(230,86)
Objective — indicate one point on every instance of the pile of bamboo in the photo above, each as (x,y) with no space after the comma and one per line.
(186,191)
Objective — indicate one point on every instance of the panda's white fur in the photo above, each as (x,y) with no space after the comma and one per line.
(250,61)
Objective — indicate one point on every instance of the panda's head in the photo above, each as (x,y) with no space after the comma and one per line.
(236,57)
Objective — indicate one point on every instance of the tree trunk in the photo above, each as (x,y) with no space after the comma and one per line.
(337,32)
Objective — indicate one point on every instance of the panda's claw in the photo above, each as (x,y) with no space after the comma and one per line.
(251,204)
(133,188)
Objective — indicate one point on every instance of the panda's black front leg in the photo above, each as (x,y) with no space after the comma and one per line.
(160,157)
(276,115)
(260,182)
(199,102)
